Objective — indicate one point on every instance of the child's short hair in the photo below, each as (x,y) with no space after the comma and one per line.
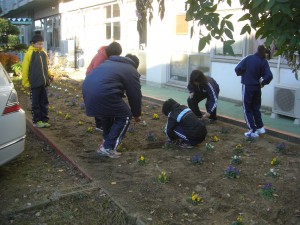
(36,38)
(198,76)
(135,59)
(113,48)
(168,106)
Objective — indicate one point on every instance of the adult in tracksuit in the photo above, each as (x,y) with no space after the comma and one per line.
(183,125)
(255,73)
(203,87)
(36,77)
(103,91)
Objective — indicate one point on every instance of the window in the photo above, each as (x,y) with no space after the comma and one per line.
(240,40)
(39,25)
(182,26)
(112,22)
(53,32)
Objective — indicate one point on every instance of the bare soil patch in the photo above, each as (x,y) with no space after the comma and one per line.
(136,185)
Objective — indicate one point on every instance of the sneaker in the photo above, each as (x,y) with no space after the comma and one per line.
(100,129)
(185,145)
(251,134)
(46,124)
(108,152)
(39,124)
(260,131)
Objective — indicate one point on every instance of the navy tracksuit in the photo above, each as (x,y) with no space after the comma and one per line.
(184,124)
(209,92)
(255,72)
(103,91)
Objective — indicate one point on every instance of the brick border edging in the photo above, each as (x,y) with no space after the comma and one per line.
(271,131)
(40,134)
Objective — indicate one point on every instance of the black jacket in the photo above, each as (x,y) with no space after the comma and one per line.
(182,116)
(103,89)
(209,91)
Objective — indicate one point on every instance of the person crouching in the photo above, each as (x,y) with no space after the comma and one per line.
(183,127)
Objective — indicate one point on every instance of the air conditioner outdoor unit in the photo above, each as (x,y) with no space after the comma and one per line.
(287,102)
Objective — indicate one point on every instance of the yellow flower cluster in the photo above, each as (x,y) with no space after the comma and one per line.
(196,198)
(163,178)
(67,116)
(238,146)
(80,123)
(274,161)
(215,138)
(155,116)
(142,158)
(239,218)
(89,129)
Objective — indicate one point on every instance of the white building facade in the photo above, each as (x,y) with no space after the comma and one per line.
(167,52)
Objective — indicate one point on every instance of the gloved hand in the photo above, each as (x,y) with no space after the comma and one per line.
(191,95)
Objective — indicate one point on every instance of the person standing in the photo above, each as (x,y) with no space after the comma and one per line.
(103,91)
(255,74)
(203,87)
(36,77)
(103,54)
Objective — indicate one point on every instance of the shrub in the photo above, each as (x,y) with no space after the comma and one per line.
(7,60)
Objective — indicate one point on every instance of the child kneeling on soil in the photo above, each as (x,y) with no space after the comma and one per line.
(183,127)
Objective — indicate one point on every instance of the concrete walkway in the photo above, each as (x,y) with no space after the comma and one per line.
(281,127)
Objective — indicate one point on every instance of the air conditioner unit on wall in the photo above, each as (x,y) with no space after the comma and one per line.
(286,102)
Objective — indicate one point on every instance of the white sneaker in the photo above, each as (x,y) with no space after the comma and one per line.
(260,131)
(108,152)
(250,134)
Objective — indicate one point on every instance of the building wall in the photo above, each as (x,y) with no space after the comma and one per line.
(85,21)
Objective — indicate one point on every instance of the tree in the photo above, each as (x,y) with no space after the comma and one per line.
(276,21)
(9,40)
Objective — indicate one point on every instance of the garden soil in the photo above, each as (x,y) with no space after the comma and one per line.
(265,191)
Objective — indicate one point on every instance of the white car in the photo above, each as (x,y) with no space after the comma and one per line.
(12,120)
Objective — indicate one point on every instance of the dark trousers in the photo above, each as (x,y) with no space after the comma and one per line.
(114,129)
(193,104)
(252,103)
(98,121)
(39,104)
(181,134)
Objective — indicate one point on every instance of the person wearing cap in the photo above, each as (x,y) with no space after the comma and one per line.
(36,78)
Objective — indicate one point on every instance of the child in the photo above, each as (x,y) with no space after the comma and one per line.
(103,54)
(36,77)
(255,74)
(183,126)
(201,87)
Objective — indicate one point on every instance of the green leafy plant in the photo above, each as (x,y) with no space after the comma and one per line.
(17,69)
(195,199)
(142,160)
(197,159)
(281,147)
(163,178)
(239,221)
(236,160)
(232,172)
(275,161)
(209,147)
(268,191)
(238,149)
(272,173)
